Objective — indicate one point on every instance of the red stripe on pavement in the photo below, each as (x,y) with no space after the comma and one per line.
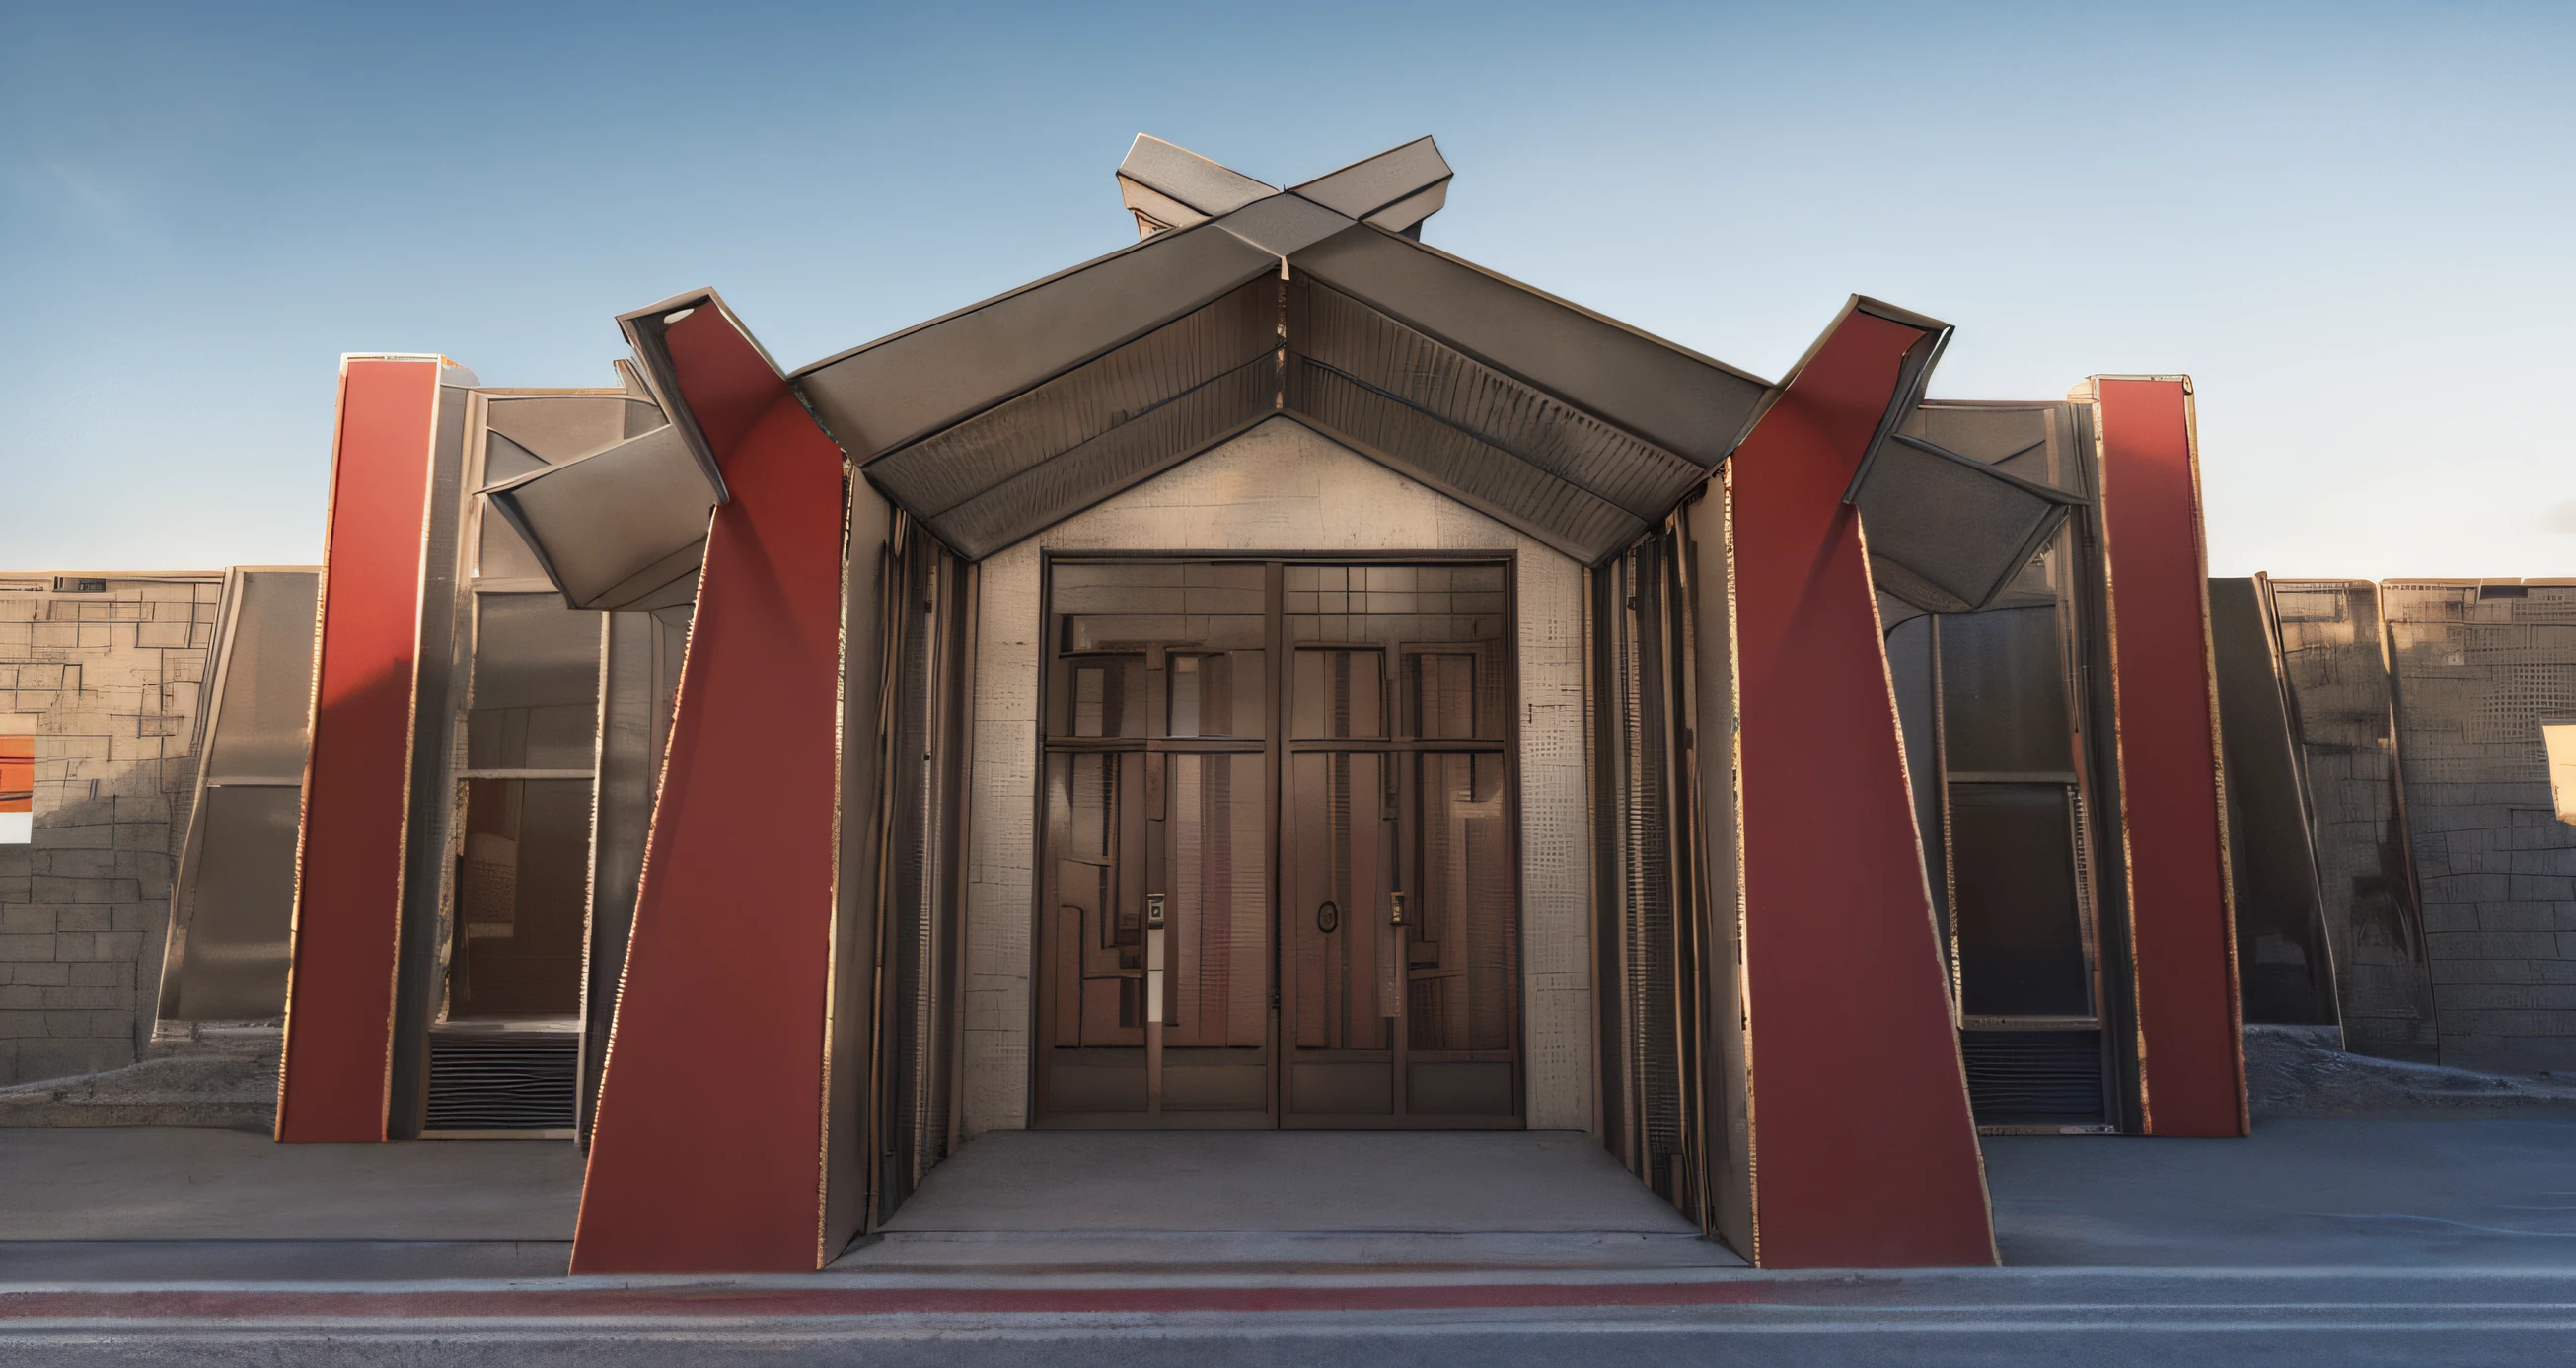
(841,1301)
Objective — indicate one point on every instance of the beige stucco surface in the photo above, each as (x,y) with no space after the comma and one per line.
(1281,487)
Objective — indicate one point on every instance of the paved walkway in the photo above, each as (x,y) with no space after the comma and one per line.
(142,1184)
(1111,1208)
(2299,1193)
(1284,1202)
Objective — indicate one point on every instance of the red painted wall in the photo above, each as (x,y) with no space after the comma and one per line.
(2183,931)
(707,1156)
(1864,1152)
(349,857)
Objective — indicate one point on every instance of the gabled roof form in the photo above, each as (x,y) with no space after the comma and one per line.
(1003,418)
(1241,303)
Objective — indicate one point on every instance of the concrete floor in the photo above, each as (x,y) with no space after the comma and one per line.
(2398,1194)
(1283,1201)
(2300,1192)
(143,1184)
(1432,1182)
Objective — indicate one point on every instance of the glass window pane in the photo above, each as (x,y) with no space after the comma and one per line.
(1339,693)
(522,898)
(536,684)
(2022,947)
(2003,693)
(1447,624)
(1100,695)
(267,680)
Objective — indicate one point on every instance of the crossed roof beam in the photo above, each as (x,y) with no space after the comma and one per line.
(1242,302)
(1570,426)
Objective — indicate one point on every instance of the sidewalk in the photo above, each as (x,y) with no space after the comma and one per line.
(1116,1209)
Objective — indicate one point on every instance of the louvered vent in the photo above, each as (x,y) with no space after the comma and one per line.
(486,1080)
(2034,1078)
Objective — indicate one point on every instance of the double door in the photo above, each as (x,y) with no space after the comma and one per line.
(1279,884)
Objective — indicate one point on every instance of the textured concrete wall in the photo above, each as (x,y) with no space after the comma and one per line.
(2477,668)
(2334,659)
(1281,487)
(109,685)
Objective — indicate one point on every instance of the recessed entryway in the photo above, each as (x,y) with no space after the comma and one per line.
(1280,886)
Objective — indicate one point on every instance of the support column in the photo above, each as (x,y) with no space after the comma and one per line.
(334,1083)
(1863,1151)
(2172,804)
(712,1148)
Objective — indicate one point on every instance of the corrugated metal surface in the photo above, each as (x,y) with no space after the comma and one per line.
(1456,462)
(2034,1078)
(487,1080)
(1338,333)
(983,453)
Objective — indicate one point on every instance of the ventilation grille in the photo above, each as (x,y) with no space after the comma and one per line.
(503,1080)
(2034,1078)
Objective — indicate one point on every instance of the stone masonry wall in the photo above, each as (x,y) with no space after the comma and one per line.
(109,683)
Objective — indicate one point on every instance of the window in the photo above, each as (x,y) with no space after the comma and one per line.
(2558,737)
(17,790)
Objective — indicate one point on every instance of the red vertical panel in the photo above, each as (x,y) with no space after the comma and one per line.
(349,855)
(1864,1153)
(707,1152)
(2170,803)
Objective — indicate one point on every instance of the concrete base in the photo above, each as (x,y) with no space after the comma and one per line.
(1283,1200)
(215,1076)
(2305,1071)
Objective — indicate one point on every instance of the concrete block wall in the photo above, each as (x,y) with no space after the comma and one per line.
(2477,667)
(2334,662)
(109,683)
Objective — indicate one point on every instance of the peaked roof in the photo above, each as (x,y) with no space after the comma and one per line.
(1002,418)
(1240,303)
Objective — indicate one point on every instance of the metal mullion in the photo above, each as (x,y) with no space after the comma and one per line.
(1445,746)
(1276,665)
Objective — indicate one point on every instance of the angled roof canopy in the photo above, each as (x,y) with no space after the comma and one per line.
(1243,302)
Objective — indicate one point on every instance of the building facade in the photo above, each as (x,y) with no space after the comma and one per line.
(1277,675)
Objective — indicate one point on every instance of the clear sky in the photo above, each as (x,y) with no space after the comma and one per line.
(2353,224)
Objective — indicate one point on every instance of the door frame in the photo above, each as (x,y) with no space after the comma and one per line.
(1275,750)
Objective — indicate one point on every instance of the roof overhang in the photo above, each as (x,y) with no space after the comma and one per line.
(1244,302)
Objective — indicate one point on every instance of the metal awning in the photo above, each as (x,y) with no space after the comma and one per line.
(1243,302)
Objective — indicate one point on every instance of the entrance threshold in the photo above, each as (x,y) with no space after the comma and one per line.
(1262,1201)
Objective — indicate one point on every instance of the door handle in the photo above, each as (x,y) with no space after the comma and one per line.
(1395,909)
(1328,916)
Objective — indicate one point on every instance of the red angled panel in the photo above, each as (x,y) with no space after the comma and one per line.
(2170,802)
(1864,1152)
(707,1155)
(349,857)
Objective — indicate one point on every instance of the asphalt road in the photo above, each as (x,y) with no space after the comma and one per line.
(2245,1317)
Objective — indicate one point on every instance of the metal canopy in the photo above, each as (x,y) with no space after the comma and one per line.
(1395,190)
(1173,187)
(1243,302)
(998,420)
(616,528)
(905,387)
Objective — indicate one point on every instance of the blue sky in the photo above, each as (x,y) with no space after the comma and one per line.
(2354,225)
